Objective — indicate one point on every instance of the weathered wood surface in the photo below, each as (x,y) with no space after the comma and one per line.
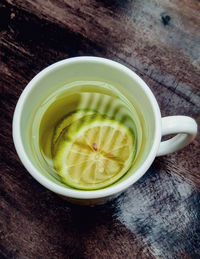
(158,217)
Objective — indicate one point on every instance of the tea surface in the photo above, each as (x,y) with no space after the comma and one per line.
(89,134)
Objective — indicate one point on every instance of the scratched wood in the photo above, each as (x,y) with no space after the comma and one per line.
(159,216)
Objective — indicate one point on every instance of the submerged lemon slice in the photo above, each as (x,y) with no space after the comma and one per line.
(66,122)
(96,155)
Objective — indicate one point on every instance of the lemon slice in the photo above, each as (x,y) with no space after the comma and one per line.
(66,122)
(96,155)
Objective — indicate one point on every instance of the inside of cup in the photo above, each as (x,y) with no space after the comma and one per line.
(62,73)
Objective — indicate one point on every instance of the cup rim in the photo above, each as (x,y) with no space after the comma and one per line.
(82,194)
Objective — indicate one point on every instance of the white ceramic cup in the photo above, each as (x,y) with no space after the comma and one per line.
(130,85)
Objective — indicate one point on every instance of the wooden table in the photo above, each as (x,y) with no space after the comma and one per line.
(159,216)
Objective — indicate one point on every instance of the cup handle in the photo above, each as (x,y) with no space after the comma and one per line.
(186,129)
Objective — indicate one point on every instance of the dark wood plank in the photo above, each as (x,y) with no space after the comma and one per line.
(159,216)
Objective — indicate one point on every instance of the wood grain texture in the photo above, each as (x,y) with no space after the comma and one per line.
(158,217)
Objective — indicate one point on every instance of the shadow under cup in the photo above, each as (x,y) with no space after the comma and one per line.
(61,74)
